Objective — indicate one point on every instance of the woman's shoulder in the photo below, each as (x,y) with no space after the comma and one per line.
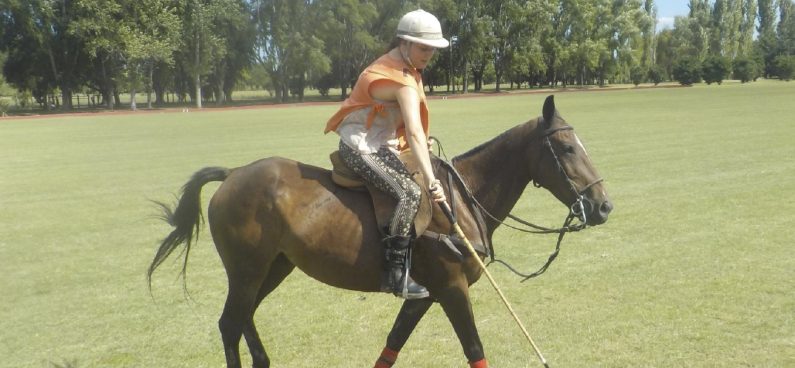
(385,63)
(387,67)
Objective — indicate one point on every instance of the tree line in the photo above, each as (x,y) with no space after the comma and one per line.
(203,50)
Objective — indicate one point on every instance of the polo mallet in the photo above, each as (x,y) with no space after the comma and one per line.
(449,213)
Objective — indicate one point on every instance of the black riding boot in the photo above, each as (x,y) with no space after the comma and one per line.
(396,273)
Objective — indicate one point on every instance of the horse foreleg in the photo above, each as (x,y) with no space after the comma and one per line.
(407,319)
(456,305)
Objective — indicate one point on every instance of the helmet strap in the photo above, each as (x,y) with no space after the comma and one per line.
(405,54)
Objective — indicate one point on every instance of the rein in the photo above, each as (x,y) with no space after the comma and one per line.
(576,210)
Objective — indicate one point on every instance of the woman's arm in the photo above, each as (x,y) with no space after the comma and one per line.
(409,102)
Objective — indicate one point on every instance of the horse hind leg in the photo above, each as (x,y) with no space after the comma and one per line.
(279,270)
(237,315)
(249,282)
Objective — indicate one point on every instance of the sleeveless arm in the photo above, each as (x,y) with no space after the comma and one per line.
(409,102)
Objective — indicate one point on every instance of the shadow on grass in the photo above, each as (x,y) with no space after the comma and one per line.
(65,364)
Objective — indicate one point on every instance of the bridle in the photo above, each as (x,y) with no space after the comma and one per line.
(576,210)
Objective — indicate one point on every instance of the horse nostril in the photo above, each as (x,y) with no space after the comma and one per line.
(605,208)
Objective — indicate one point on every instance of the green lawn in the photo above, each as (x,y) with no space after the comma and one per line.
(693,269)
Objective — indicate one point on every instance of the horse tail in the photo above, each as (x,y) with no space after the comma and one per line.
(186,218)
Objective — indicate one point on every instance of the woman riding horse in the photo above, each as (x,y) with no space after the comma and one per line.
(387,114)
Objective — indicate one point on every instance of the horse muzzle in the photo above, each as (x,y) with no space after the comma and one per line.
(593,212)
(590,211)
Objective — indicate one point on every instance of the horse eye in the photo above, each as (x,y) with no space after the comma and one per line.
(568,149)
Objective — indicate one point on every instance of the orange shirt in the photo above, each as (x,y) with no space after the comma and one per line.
(383,68)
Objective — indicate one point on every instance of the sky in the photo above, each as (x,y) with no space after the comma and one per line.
(667,10)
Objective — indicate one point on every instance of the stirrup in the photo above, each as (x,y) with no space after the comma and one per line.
(410,289)
(398,263)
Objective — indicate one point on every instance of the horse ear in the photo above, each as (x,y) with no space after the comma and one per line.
(549,109)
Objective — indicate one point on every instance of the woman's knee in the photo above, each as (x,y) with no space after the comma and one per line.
(411,197)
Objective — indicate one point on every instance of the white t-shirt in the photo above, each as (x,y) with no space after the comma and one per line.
(353,129)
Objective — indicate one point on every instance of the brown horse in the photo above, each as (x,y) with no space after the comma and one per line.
(275,214)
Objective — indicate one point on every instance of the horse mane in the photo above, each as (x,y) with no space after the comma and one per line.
(491,142)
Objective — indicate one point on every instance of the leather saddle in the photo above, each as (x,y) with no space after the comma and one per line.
(383,204)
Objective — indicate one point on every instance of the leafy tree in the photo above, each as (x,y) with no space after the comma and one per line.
(344,26)
(626,38)
(127,39)
(237,34)
(745,69)
(552,44)
(638,74)
(747,22)
(446,64)
(5,88)
(516,29)
(699,28)
(785,67)
(715,68)
(767,42)
(42,52)
(665,51)
(203,45)
(285,40)
(725,27)
(656,74)
(475,38)
(647,29)
(586,25)
(786,27)
(687,70)
(100,30)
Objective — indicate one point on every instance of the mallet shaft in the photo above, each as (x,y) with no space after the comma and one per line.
(449,213)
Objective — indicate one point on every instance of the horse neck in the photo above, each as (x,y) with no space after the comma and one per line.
(498,171)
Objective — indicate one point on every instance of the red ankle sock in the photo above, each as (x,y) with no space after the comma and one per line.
(479,364)
(387,358)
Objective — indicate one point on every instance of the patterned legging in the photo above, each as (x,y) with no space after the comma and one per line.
(385,171)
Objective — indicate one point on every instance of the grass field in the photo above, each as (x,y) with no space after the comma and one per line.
(694,268)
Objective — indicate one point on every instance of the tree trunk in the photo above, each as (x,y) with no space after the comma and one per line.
(149,87)
(220,96)
(220,92)
(160,96)
(107,97)
(133,106)
(66,96)
(466,76)
(197,60)
(301,86)
(107,88)
(198,91)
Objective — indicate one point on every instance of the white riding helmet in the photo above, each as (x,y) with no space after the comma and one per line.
(421,27)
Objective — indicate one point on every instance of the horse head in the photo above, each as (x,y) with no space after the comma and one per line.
(566,170)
